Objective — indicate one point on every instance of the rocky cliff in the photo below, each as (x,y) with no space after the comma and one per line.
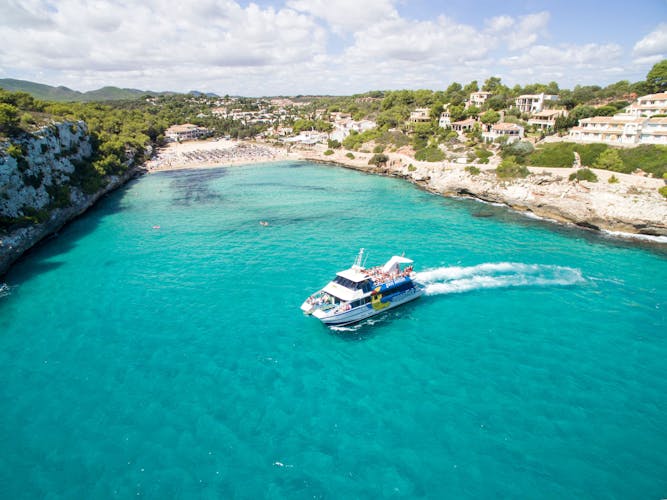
(41,185)
(631,206)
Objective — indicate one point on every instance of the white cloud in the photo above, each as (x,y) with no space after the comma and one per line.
(236,47)
(653,44)
(648,60)
(521,32)
(347,15)
(158,34)
(589,55)
(402,40)
(499,24)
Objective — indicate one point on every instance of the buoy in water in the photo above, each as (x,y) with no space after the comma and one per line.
(263,223)
(156,227)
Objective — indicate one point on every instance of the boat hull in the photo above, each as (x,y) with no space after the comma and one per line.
(368,310)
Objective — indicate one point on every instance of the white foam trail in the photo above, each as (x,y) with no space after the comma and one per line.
(496,275)
(4,289)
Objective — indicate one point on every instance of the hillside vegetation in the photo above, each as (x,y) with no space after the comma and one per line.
(647,157)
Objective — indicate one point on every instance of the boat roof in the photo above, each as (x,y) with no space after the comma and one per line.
(353,274)
(395,260)
(344,294)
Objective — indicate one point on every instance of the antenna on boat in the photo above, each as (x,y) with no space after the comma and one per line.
(360,256)
(365,259)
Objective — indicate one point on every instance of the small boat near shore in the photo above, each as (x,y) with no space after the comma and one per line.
(358,293)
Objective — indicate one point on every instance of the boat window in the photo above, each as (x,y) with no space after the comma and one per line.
(345,282)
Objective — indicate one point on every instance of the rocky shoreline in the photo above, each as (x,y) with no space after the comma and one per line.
(631,208)
(15,244)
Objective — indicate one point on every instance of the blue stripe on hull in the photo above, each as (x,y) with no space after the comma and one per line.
(348,318)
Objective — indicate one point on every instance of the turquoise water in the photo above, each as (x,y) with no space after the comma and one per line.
(175,362)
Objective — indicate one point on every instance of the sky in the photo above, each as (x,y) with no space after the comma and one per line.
(338,47)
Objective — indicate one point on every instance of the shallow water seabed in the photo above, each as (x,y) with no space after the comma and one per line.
(176,362)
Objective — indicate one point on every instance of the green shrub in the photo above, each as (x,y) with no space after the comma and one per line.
(430,153)
(663,191)
(18,153)
(510,169)
(560,155)
(411,168)
(328,152)
(649,157)
(355,139)
(584,174)
(472,170)
(27,120)
(520,150)
(87,177)
(9,119)
(333,144)
(350,156)
(589,153)
(613,180)
(378,149)
(33,215)
(60,195)
(609,160)
(483,155)
(378,159)
(33,180)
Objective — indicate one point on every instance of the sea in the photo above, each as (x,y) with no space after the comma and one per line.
(155,348)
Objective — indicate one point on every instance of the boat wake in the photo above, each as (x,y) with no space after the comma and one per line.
(456,279)
(4,290)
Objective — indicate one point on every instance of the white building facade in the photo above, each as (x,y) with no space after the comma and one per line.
(478,99)
(512,131)
(636,125)
(534,103)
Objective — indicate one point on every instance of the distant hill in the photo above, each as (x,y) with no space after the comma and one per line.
(197,93)
(49,93)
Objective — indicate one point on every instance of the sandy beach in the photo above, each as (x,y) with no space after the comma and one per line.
(629,207)
(215,153)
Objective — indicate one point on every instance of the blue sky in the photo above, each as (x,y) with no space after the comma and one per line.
(288,47)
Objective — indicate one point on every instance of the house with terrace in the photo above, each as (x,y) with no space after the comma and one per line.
(478,99)
(511,131)
(546,119)
(420,115)
(534,103)
(648,105)
(185,132)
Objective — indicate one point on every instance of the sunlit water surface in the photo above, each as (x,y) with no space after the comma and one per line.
(156,348)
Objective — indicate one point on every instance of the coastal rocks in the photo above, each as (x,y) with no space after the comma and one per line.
(596,206)
(13,245)
(36,185)
(34,167)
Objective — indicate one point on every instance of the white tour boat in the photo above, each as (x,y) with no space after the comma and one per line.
(358,293)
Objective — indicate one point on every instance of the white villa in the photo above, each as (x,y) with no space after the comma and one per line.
(462,125)
(445,120)
(620,130)
(344,125)
(533,103)
(307,137)
(635,126)
(512,131)
(420,115)
(478,99)
(185,132)
(546,119)
(648,105)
